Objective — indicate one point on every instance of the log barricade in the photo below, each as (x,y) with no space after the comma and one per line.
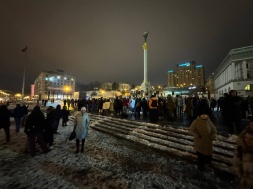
(174,140)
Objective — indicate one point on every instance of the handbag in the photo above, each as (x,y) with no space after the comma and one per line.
(72,135)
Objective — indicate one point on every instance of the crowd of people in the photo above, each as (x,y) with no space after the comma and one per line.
(41,128)
(232,108)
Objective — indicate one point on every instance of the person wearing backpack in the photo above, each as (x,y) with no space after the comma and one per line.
(153,103)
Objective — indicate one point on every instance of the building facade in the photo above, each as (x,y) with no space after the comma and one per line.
(54,85)
(235,72)
(124,87)
(210,87)
(187,75)
(107,86)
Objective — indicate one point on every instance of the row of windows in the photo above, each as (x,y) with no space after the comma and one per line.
(59,83)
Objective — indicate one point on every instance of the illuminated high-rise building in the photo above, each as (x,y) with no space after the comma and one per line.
(187,75)
(54,85)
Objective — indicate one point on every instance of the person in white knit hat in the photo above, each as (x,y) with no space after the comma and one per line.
(82,121)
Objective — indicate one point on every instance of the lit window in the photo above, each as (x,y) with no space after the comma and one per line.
(247,88)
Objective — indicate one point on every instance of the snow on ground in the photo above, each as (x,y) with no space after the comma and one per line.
(107,162)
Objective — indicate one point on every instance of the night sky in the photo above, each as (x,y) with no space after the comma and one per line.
(101,40)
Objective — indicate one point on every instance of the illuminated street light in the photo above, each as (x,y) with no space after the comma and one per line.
(67,89)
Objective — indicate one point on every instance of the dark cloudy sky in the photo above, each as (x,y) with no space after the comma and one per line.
(101,40)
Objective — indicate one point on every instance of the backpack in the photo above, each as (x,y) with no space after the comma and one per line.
(154,103)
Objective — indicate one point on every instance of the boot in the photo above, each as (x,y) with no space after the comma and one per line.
(77,146)
(82,148)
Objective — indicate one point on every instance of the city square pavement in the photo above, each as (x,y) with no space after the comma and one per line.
(107,163)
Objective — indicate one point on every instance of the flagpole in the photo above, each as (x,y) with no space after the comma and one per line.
(23,86)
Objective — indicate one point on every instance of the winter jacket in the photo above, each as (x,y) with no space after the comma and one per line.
(4,117)
(82,123)
(18,112)
(204,132)
(65,115)
(35,122)
(243,163)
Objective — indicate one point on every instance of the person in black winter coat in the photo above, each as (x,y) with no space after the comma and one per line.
(49,131)
(144,107)
(204,105)
(34,127)
(57,116)
(25,113)
(232,112)
(65,116)
(5,121)
(137,105)
(18,114)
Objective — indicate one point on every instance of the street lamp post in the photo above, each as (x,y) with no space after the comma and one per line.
(23,85)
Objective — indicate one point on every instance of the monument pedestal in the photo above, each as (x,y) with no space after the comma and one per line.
(145,87)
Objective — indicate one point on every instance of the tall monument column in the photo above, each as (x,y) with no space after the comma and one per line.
(145,86)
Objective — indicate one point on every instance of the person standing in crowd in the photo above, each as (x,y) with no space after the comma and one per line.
(204,132)
(195,103)
(160,108)
(76,102)
(25,113)
(137,112)
(100,106)
(57,116)
(18,114)
(144,107)
(170,107)
(34,127)
(153,103)
(179,105)
(219,102)
(117,106)
(243,158)
(112,106)
(65,116)
(189,109)
(72,103)
(232,112)
(49,131)
(5,121)
(203,104)
(213,103)
(124,104)
(68,102)
(81,121)
(89,105)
